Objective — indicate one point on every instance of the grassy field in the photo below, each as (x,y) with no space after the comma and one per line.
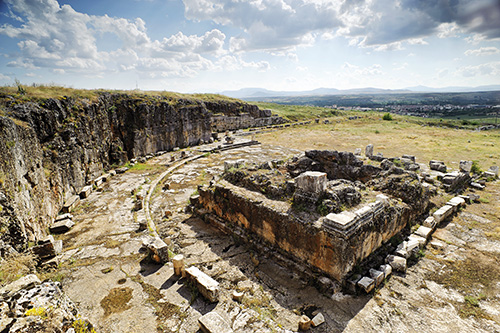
(392,138)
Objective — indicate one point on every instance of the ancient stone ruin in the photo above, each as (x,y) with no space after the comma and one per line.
(315,209)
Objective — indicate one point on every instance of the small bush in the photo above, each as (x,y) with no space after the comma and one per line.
(387,116)
(475,169)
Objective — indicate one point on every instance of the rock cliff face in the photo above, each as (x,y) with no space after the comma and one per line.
(51,148)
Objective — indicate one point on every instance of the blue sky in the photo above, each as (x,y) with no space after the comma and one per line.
(216,45)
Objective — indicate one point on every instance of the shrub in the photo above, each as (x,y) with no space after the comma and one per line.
(387,116)
(475,169)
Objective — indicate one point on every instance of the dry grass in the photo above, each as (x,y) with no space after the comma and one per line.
(15,266)
(393,138)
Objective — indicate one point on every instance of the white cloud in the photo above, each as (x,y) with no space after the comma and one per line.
(487,69)
(4,77)
(357,71)
(482,51)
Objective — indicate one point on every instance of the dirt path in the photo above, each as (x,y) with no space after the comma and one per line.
(111,280)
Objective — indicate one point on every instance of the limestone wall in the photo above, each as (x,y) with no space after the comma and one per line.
(314,243)
(221,123)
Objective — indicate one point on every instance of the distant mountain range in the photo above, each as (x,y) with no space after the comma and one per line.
(261,92)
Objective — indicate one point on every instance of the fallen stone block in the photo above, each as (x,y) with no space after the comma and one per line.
(421,240)
(318,320)
(45,248)
(397,263)
(238,295)
(495,169)
(71,203)
(357,151)
(377,276)
(442,213)
(85,192)
(401,251)
(366,283)
(437,166)
(304,323)
(158,248)
(430,222)
(212,322)
(207,286)
(112,173)
(121,170)
(465,166)
(488,175)
(61,226)
(387,269)
(456,202)
(476,186)
(63,217)
(423,232)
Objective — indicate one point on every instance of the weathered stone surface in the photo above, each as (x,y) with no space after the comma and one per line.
(121,170)
(207,286)
(397,263)
(22,283)
(228,165)
(238,295)
(419,239)
(366,283)
(85,192)
(71,203)
(212,322)
(424,232)
(387,269)
(357,151)
(369,150)
(311,182)
(442,213)
(318,320)
(476,185)
(61,226)
(352,283)
(465,166)
(437,165)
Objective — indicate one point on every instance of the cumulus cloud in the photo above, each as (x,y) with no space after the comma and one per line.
(4,77)
(281,24)
(483,51)
(268,24)
(64,40)
(355,70)
(488,69)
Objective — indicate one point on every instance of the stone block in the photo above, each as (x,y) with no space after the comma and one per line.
(121,170)
(456,202)
(401,251)
(357,151)
(476,186)
(212,322)
(437,166)
(421,240)
(45,250)
(304,323)
(366,283)
(369,150)
(61,226)
(488,175)
(397,263)
(71,203)
(409,157)
(377,276)
(465,166)
(442,213)
(157,247)
(387,269)
(318,320)
(437,244)
(228,165)
(412,245)
(495,169)
(424,232)
(63,217)
(311,182)
(382,198)
(112,173)
(430,222)
(207,286)
(238,295)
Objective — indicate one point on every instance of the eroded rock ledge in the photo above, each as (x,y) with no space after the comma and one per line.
(52,148)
